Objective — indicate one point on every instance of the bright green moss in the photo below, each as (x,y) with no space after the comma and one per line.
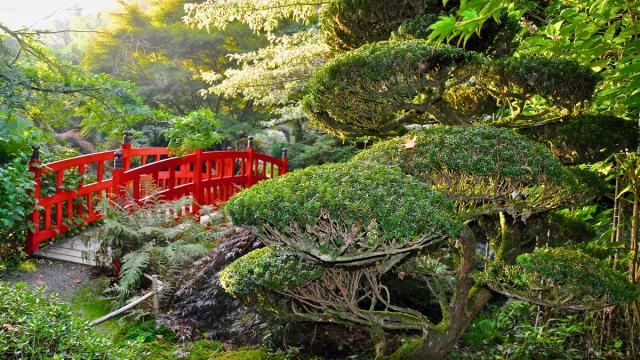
(477,164)
(385,205)
(265,269)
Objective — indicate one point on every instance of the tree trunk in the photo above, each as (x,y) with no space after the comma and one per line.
(467,302)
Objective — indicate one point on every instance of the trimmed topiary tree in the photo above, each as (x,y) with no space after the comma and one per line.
(348,24)
(585,138)
(343,237)
(484,169)
(346,214)
(379,89)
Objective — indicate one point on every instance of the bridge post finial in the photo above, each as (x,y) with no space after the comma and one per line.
(128,136)
(117,162)
(284,153)
(250,142)
(35,155)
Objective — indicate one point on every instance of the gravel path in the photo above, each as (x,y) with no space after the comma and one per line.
(58,276)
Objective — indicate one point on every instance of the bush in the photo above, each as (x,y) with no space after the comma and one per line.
(546,77)
(339,211)
(348,24)
(586,138)
(265,269)
(564,277)
(406,76)
(479,165)
(37,326)
(16,204)
(146,238)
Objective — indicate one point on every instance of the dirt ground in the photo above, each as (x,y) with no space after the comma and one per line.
(58,277)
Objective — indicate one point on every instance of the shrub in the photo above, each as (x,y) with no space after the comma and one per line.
(586,138)
(478,166)
(16,204)
(146,238)
(408,77)
(265,269)
(37,326)
(563,276)
(562,82)
(349,24)
(345,213)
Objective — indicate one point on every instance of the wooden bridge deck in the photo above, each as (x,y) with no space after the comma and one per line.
(72,249)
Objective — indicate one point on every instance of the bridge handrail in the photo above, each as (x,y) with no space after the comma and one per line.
(210,177)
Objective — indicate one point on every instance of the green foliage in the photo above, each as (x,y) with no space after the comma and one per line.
(386,207)
(16,137)
(363,91)
(37,326)
(146,238)
(152,47)
(53,93)
(510,330)
(495,38)
(144,332)
(315,149)
(16,204)
(348,24)
(246,354)
(479,165)
(198,130)
(563,277)
(561,82)
(266,269)
(586,138)
(599,34)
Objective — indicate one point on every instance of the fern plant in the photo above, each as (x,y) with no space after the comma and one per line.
(149,238)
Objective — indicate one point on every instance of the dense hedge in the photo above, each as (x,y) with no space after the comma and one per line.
(478,163)
(349,24)
(381,207)
(563,275)
(35,326)
(363,91)
(586,138)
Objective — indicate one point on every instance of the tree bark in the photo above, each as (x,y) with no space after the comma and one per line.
(467,302)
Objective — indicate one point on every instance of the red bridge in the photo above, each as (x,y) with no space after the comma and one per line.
(67,192)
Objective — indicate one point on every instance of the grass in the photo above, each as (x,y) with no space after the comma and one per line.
(90,303)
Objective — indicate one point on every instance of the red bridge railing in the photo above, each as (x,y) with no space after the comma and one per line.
(138,174)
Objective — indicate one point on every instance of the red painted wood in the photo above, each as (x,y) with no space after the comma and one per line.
(209,177)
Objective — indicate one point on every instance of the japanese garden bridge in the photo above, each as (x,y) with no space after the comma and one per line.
(67,192)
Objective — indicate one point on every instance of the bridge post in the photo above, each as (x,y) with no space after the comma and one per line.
(285,163)
(198,195)
(34,167)
(126,147)
(249,167)
(116,177)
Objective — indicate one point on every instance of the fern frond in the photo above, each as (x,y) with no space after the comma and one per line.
(133,265)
